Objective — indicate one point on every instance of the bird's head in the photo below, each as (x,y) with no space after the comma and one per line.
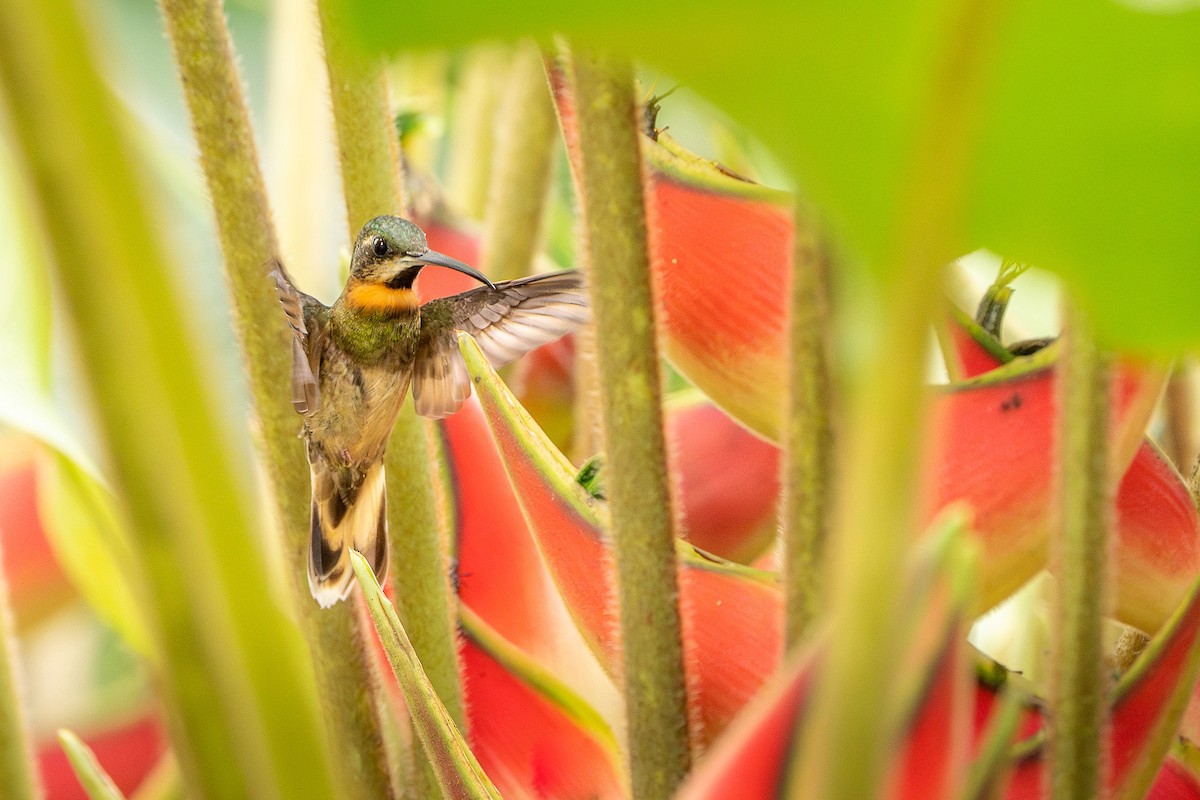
(391,252)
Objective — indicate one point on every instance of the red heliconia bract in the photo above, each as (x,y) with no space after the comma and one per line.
(727,479)
(993,448)
(721,263)
(724,608)
(757,757)
(531,735)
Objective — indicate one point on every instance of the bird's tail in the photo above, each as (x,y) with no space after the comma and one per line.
(340,522)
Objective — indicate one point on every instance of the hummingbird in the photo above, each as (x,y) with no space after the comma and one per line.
(353,363)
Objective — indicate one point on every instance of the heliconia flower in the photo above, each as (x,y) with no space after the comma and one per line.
(501,576)
(727,479)
(756,758)
(994,449)
(534,737)
(755,754)
(725,608)
(1147,706)
(707,229)
(1179,778)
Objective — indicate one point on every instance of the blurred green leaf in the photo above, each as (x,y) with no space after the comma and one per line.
(1085,149)
(91,775)
(82,524)
(24,291)
(233,678)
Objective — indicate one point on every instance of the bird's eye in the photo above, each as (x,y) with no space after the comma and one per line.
(379,246)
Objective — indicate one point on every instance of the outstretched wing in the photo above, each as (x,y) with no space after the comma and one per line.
(306,317)
(507,322)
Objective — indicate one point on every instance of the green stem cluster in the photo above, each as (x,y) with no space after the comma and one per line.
(631,405)
(1079,688)
(212,88)
(242,717)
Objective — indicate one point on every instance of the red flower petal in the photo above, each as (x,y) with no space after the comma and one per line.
(725,608)
(532,735)
(994,449)
(709,230)
(756,756)
(728,481)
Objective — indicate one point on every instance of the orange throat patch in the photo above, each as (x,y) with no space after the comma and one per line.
(382,298)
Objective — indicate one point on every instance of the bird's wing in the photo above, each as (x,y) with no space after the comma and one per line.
(306,317)
(507,322)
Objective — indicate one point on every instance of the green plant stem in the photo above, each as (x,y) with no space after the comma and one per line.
(17,769)
(1079,689)
(874,516)
(521,169)
(226,653)
(458,772)
(212,88)
(368,148)
(371,181)
(639,493)
(1179,417)
(808,432)
(472,138)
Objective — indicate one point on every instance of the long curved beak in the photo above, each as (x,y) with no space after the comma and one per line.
(436,259)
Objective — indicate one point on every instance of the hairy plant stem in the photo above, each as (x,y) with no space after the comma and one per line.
(1079,687)
(241,716)
(874,516)
(631,405)
(521,169)
(808,435)
(371,179)
(212,88)
(17,770)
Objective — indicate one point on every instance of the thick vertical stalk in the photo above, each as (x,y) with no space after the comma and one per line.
(874,515)
(371,181)
(239,712)
(1079,688)
(212,88)
(523,165)
(368,148)
(1179,416)
(639,493)
(808,433)
(16,757)
(472,139)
